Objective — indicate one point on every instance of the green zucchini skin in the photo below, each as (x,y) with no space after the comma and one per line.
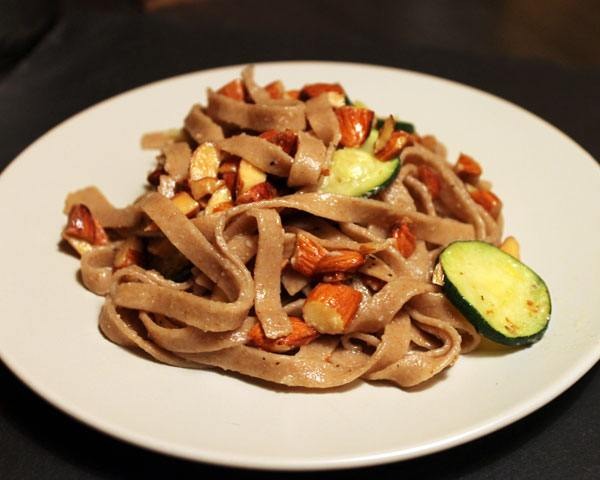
(505,270)
(360,159)
(384,185)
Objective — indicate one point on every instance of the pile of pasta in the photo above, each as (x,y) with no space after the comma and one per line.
(267,274)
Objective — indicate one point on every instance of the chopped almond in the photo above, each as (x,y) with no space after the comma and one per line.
(315,89)
(355,125)
(81,224)
(307,255)
(437,276)
(275,89)
(204,162)
(511,246)
(394,145)
(186,204)
(330,307)
(262,191)
(221,207)
(130,252)
(334,91)
(292,94)
(248,176)
(490,202)
(166,186)
(229,165)
(431,179)
(405,239)
(203,187)
(219,201)
(234,89)
(341,261)
(302,334)
(286,139)
(467,169)
(385,133)
(80,246)
(228,171)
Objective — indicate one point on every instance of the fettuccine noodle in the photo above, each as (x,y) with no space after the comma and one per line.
(211,278)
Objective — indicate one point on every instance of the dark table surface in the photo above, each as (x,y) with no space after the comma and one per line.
(88,55)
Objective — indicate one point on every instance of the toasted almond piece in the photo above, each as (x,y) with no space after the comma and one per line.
(385,133)
(230,180)
(315,89)
(275,89)
(231,164)
(166,186)
(340,261)
(287,140)
(186,204)
(80,246)
(222,198)
(431,179)
(234,89)
(302,334)
(228,171)
(157,140)
(130,252)
(204,162)
(292,94)
(221,207)
(330,307)
(336,99)
(81,224)
(490,202)
(262,191)
(203,187)
(437,277)
(307,255)
(397,142)
(467,169)
(511,246)
(248,176)
(355,125)
(405,239)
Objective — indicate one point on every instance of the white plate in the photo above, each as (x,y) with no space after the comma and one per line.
(48,328)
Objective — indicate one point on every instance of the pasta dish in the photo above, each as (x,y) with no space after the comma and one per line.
(297,237)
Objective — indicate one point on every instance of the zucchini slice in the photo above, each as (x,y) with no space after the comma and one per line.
(504,299)
(357,172)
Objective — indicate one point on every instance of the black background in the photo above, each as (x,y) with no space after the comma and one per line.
(57,59)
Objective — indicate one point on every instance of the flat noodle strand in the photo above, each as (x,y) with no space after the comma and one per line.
(205,289)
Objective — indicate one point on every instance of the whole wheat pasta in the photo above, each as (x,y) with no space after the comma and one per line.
(221,268)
